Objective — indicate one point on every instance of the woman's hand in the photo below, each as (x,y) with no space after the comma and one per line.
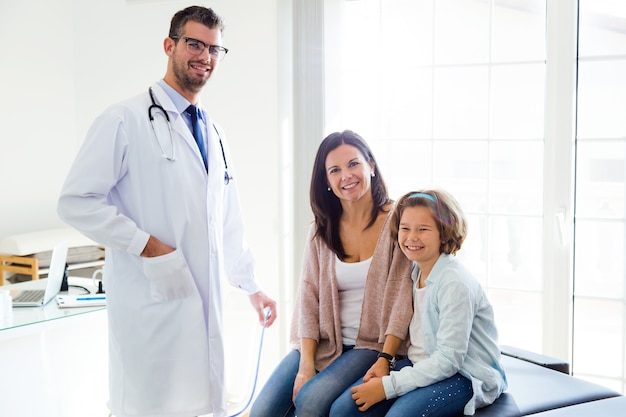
(302,378)
(379,369)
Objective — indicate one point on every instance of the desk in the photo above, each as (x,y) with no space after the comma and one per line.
(54,362)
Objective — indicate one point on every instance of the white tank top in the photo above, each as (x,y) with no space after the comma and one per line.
(351,277)
(416,349)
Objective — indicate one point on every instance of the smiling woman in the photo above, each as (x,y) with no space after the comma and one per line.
(354,286)
(349,173)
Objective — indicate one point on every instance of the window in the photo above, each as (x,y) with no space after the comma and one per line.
(599,284)
(458,94)
(450,93)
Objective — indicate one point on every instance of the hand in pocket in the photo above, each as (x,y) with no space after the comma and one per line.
(170,277)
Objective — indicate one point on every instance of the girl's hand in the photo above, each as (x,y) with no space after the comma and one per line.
(368,393)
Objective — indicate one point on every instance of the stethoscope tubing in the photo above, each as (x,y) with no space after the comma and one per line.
(157,107)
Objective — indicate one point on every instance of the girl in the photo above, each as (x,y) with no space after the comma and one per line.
(453,366)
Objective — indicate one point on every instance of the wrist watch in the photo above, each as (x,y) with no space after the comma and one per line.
(390,359)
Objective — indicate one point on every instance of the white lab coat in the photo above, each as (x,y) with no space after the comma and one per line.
(165,313)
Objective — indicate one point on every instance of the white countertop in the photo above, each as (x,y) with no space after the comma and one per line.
(27,318)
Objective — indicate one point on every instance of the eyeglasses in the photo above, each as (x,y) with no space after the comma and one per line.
(196,47)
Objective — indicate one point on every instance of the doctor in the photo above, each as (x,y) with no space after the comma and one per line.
(172,232)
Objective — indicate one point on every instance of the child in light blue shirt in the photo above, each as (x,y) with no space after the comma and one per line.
(453,366)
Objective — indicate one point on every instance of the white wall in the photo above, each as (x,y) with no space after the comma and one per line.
(64,61)
(37,111)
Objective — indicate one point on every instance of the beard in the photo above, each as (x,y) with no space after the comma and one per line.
(187,80)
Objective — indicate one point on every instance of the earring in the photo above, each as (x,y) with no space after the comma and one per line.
(328,188)
(373,174)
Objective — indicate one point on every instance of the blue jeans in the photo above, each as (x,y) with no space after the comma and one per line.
(318,394)
(445,398)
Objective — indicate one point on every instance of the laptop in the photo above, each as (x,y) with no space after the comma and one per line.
(36,298)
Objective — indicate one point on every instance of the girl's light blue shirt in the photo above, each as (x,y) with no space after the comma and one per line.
(459,336)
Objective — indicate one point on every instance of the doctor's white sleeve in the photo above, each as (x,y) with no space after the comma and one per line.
(99,164)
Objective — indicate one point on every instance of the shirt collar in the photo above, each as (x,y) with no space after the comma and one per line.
(180,102)
(443,257)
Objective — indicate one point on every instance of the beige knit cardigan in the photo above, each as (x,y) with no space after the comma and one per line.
(387,301)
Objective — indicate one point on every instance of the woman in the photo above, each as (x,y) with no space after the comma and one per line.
(453,366)
(354,301)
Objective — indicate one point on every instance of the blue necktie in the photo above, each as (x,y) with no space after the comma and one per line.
(196,128)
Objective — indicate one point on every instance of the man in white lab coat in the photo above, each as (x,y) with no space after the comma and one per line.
(172,228)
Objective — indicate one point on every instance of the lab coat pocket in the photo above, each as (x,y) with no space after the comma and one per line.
(170,277)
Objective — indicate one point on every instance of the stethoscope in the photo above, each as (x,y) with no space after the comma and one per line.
(172,157)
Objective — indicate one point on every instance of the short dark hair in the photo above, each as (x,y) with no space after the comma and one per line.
(325,205)
(446,211)
(198,14)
